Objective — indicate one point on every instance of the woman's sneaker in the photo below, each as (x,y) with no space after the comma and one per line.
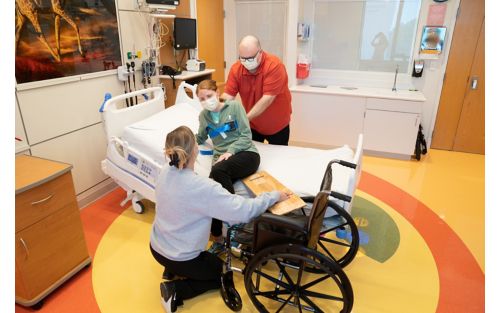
(167,290)
(216,248)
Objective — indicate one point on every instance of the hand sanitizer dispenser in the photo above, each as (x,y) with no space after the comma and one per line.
(418,68)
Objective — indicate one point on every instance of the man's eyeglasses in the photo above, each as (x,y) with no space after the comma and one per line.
(250,59)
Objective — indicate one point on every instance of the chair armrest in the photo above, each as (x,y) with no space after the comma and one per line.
(340,196)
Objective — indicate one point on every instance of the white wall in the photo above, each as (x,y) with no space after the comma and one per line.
(430,83)
(62,123)
(231,40)
(21,146)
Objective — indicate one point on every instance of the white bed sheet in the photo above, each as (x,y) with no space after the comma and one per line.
(300,169)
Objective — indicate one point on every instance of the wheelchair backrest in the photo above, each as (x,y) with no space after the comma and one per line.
(316,217)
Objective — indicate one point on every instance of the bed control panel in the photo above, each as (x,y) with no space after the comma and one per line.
(132,159)
(146,170)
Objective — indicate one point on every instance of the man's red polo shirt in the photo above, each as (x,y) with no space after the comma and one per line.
(269,79)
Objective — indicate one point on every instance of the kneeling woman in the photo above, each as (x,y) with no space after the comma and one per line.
(235,155)
(185,206)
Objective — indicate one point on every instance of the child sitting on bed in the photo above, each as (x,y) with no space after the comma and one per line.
(185,206)
(235,155)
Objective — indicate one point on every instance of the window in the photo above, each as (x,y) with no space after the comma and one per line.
(364,35)
(265,19)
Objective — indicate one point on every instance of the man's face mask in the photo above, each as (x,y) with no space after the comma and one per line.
(250,63)
(210,104)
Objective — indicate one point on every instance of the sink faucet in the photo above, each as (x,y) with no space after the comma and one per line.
(395,77)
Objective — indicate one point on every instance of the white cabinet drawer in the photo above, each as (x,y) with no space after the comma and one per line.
(394,105)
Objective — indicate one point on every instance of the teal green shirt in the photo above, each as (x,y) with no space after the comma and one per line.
(215,116)
(239,139)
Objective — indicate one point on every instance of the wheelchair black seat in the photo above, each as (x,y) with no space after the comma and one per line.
(271,230)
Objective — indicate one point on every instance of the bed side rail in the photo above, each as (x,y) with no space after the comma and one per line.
(183,98)
(344,189)
(115,119)
(133,161)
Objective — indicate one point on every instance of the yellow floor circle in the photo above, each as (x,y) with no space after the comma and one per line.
(126,277)
(406,282)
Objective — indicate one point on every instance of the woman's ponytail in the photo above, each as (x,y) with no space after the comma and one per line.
(178,157)
(179,145)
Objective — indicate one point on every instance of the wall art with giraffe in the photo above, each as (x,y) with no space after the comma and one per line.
(59,38)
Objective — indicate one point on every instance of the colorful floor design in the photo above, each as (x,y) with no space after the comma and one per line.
(410,259)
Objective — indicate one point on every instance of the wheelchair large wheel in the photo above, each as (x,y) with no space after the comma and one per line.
(276,280)
(339,236)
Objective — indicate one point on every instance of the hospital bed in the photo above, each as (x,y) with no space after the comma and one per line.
(136,137)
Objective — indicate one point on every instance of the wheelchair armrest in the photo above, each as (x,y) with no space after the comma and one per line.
(332,204)
(347,164)
(340,196)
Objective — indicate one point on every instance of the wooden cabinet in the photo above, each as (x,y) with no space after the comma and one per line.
(50,244)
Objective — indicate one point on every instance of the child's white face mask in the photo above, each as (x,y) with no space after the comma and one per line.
(210,104)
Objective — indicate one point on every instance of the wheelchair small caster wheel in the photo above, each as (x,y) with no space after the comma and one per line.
(229,293)
(138,207)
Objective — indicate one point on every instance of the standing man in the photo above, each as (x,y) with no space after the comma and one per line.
(262,82)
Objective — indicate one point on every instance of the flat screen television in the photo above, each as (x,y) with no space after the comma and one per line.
(184,33)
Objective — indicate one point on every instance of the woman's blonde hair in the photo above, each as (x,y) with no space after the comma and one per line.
(179,145)
(207,84)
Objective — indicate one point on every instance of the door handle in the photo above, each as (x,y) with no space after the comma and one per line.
(473,82)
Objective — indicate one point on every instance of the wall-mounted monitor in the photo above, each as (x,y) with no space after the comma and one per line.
(433,40)
(184,33)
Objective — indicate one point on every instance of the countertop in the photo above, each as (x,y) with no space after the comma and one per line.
(33,171)
(407,95)
(185,75)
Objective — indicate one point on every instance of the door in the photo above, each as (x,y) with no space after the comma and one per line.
(210,18)
(460,119)
(470,131)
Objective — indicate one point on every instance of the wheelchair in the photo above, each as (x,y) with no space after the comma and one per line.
(285,268)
